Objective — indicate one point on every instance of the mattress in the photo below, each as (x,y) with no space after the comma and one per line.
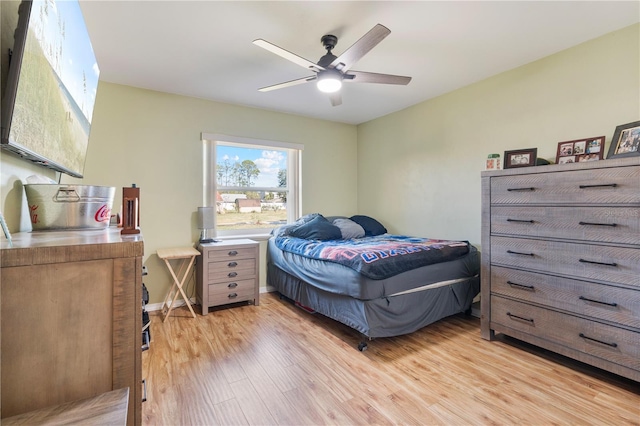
(338,279)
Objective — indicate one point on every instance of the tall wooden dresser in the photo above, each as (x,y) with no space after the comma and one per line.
(71,311)
(561,260)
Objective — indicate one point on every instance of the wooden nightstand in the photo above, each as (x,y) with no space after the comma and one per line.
(227,272)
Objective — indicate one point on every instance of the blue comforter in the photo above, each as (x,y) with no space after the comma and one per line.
(378,257)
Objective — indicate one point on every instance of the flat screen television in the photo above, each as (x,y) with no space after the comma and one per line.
(51,87)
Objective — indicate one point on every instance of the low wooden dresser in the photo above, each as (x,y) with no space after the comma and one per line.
(71,319)
(227,272)
(561,260)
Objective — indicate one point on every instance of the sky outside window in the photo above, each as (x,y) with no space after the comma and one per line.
(269,162)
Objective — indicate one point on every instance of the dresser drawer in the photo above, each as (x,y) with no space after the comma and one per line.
(609,303)
(234,269)
(618,185)
(601,224)
(610,343)
(591,262)
(232,253)
(230,292)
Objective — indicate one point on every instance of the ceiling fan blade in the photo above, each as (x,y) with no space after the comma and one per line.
(335,98)
(360,48)
(304,63)
(372,77)
(288,83)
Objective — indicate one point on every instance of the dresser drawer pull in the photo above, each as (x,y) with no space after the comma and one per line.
(613,185)
(233,253)
(520,220)
(597,301)
(233,295)
(232,264)
(598,224)
(522,286)
(232,274)
(232,285)
(613,345)
(521,254)
(510,315)
(521,189)
(597,263)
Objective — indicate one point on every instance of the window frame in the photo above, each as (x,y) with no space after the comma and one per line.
(210,185)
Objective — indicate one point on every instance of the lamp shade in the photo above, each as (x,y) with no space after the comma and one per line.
(205,217)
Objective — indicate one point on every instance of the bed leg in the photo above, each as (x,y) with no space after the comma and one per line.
(362,346)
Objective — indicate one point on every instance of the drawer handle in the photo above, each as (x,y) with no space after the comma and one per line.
(144,390)
(232,274)
(598,224)
(597,263)
(597,301)
(521,254)
(510,315)
(520,220)
(521,189)
(522,286)
(233,253)
(232,285)
(613,345)
(233,295)
(613,185)
(232,264)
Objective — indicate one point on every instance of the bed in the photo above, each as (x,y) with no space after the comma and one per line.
(382,285)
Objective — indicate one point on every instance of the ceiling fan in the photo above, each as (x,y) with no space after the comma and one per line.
(332,70)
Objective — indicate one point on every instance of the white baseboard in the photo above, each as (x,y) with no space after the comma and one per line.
(158,306)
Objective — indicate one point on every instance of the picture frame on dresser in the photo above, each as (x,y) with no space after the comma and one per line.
(520,158)
(625,141)
(580,150)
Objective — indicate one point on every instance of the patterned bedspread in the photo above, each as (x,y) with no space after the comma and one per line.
(378,257)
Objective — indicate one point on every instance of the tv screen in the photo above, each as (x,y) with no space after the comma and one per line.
(51,87)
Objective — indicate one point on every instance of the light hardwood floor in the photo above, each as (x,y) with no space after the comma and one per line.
(275,364)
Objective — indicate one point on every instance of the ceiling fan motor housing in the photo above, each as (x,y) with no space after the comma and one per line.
(329,42)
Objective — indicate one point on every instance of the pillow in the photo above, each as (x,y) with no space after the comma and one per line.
(333,218)
(349,229)
(371,226)
(317,228)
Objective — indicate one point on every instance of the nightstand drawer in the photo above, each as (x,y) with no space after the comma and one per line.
(618,185)
(600,340)
(604,302)
(220,294)
(234,269)
(232,253)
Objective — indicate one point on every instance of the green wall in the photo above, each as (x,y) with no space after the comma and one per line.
(419,169)
(152,139)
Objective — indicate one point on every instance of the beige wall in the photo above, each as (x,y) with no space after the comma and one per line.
(419,169)
(152,139)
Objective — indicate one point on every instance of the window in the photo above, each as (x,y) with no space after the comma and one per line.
(253,184)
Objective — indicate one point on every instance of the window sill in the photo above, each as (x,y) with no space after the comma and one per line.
(256,237)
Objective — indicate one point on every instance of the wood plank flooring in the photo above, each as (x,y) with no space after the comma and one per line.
(275,364)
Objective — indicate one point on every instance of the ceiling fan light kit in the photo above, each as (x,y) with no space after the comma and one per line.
(329,81)
(330,70)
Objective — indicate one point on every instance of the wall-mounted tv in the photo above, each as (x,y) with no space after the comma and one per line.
(51,86)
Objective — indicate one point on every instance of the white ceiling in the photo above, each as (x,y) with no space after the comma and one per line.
(204,49)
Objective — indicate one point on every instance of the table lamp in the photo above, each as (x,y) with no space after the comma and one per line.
(205,222)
